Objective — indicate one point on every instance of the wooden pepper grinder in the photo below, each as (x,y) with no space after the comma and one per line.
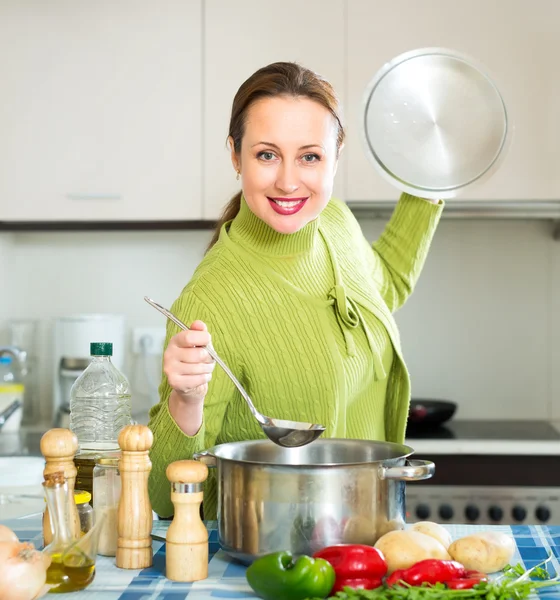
(187,538)
(59,446)
(134,545)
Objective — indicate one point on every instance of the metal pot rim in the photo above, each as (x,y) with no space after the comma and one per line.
(214,452)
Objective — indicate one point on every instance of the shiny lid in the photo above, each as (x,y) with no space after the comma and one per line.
(434,122)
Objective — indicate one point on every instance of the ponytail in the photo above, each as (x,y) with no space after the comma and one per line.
(230,212)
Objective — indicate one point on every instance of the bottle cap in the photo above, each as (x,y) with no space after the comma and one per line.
(81,496)
(5,360)
(101,349)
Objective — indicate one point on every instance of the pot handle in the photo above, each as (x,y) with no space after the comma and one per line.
(414,470)
(208,459)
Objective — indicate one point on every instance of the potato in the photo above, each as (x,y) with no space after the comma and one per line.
(435,530)
(402,549)
(488,551)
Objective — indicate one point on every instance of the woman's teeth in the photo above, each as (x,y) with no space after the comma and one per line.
(286,203)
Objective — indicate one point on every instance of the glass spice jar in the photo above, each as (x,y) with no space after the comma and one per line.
(107,492)
(85,510)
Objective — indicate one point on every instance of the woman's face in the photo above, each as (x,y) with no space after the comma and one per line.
(288,160)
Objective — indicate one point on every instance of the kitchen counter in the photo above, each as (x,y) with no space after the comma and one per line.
(226,578)
(25,442)
(522,438)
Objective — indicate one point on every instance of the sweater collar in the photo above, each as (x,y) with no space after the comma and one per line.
(253,233)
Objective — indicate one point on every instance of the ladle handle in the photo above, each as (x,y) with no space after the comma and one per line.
(214,355)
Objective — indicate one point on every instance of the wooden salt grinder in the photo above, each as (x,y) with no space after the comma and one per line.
(59,446)
(186,548)
(134,545)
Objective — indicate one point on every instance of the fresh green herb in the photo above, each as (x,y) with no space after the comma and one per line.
(518,570)
(516,583)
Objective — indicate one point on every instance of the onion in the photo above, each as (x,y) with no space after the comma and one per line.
(23,571)
(7,535)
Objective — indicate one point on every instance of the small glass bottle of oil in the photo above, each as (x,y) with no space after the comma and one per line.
(73,559)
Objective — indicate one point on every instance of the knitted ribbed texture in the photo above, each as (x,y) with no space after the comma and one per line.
(304,321)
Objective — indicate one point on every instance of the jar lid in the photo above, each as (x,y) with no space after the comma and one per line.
(81,496)
(107,462)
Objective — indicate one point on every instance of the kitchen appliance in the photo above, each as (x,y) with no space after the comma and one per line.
(289,434)
(301,499)
(434,123)
(488,472)
(72,337)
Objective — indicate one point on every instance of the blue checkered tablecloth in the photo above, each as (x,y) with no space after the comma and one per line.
(226,578)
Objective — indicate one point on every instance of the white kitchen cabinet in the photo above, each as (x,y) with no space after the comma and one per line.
(518,42)
(239,38)
(100,110)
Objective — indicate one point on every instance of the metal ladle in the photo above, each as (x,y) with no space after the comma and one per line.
(289,434)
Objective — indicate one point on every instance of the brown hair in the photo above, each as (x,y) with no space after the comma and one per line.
(276,79)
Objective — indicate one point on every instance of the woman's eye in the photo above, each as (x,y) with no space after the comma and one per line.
(266,155)
(310,158)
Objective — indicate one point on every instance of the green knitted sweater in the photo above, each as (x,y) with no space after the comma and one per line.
(305,322)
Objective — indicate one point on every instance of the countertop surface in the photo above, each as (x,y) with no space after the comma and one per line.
(226,578)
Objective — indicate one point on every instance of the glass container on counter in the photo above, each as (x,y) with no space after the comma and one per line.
(11,395)
(107,491)
(72,565)
(100,402)
(85,510)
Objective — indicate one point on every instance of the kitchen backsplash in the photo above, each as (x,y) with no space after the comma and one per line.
(482,327)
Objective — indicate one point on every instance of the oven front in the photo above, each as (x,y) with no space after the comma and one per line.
(487,489)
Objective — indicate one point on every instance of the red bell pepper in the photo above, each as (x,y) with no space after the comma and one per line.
(467,582)
(432,571)
(355,566)
(429,571)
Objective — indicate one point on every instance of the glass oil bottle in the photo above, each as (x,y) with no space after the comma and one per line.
(73,559)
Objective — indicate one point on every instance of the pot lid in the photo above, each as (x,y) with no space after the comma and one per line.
(434,123)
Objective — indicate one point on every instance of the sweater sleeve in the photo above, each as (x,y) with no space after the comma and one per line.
(403,246)
(170,442)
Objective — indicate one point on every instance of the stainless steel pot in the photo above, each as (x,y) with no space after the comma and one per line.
(303,499)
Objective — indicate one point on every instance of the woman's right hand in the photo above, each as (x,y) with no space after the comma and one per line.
(187,364)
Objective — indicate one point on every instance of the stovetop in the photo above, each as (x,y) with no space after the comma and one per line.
(522,431)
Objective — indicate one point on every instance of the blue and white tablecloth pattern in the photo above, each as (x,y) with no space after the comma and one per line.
(226,578)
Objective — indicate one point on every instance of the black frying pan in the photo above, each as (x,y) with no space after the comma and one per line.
(425,412)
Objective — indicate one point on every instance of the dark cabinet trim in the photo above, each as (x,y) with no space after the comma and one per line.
(106,225)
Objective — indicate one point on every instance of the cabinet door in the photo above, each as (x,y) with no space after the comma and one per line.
(240,37)
(100,110)
(518,43)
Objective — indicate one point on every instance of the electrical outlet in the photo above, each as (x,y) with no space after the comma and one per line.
(148,340)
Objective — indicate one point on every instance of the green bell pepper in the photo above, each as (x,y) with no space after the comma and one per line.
(277,576)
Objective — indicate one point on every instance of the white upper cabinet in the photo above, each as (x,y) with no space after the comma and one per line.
(100,110)
(239,38)
(518,42)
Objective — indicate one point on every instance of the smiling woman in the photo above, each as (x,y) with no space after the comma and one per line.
(283,175)
(298,302)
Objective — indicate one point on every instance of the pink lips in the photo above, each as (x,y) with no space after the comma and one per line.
(292,206)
